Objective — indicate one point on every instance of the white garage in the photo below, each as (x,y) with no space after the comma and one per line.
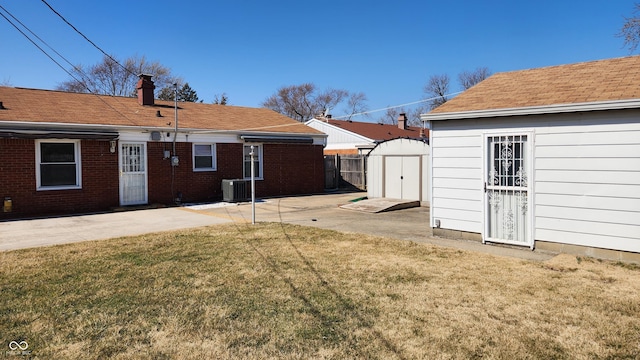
(399,169)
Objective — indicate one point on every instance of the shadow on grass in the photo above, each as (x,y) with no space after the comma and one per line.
(327,320)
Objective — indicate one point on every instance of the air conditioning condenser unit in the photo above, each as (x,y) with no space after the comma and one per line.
(235,190)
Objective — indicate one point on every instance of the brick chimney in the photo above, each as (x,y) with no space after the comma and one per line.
(145,89)
(402,121)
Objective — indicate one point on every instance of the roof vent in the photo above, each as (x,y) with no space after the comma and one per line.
(2,106)
(158,114)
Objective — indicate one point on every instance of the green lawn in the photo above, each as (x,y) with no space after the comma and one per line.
(273,291)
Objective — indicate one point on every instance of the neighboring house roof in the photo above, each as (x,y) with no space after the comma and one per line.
(377,132)
(595,85)
(32,106)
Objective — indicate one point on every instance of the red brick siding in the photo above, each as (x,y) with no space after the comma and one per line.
(18,181)
(195,186)
(291,169)
(288,170)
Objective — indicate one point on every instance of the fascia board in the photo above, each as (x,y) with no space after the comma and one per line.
(534,110)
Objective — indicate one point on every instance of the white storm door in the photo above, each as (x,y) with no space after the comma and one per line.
(507,189)
(133,174)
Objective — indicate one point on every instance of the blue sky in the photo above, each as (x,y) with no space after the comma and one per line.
(249,48)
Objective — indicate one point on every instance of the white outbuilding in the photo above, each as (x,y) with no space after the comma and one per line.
(546,158)
(399,169)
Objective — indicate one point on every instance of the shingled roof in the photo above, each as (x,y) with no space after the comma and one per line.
(378,132)
(26,106)
(581,83)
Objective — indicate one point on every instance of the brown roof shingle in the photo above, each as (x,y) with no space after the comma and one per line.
(48,106)
(595,81)
(378,132)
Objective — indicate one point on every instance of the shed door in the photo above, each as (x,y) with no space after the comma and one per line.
(402,177)
(507,190)
(133,174)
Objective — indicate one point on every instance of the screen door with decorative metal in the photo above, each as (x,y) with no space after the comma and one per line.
(507,213)
(133,174)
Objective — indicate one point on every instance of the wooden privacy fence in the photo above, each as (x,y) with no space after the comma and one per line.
(345,171)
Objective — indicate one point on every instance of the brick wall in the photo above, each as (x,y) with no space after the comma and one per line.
(289,169)
(195,186)
(18,181)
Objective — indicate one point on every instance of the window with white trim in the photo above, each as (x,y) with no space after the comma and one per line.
(58,164)
(204,157)
(257,161)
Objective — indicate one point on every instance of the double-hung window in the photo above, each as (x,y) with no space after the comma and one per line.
(58,164)
(204,157)
(257,161)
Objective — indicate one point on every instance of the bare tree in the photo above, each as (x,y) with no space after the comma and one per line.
(437,89)
(414,116)
(328,100)
(391,116)
(303,102)
(356,104)
(117,78)
(630,30)
(469,78)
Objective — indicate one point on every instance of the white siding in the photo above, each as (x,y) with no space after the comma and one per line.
(456,177)
(586,180)
(588,184)
(339,139)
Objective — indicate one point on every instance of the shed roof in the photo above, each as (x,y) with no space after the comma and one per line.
(377,132)
(22,105)
(581,83)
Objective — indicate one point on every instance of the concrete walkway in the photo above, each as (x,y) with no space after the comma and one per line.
(321,211)
(22,234)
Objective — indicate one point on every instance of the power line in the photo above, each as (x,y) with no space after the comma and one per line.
(86,38)
(83,83)
(38,46)
(395,106)
(79,71)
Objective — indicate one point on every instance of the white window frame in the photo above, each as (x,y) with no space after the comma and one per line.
(258,148)
(213,157)
(77,162)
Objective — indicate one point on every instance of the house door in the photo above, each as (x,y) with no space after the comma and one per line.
(133,174)
(507,190)
(402,177)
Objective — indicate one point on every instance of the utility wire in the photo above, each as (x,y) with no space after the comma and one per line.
(86,38)
(38,46)
(80,73)
(83,83)
(395,106)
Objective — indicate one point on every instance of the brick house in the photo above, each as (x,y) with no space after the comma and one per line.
(67,153)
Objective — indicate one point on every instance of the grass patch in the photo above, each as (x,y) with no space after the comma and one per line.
(274,291)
